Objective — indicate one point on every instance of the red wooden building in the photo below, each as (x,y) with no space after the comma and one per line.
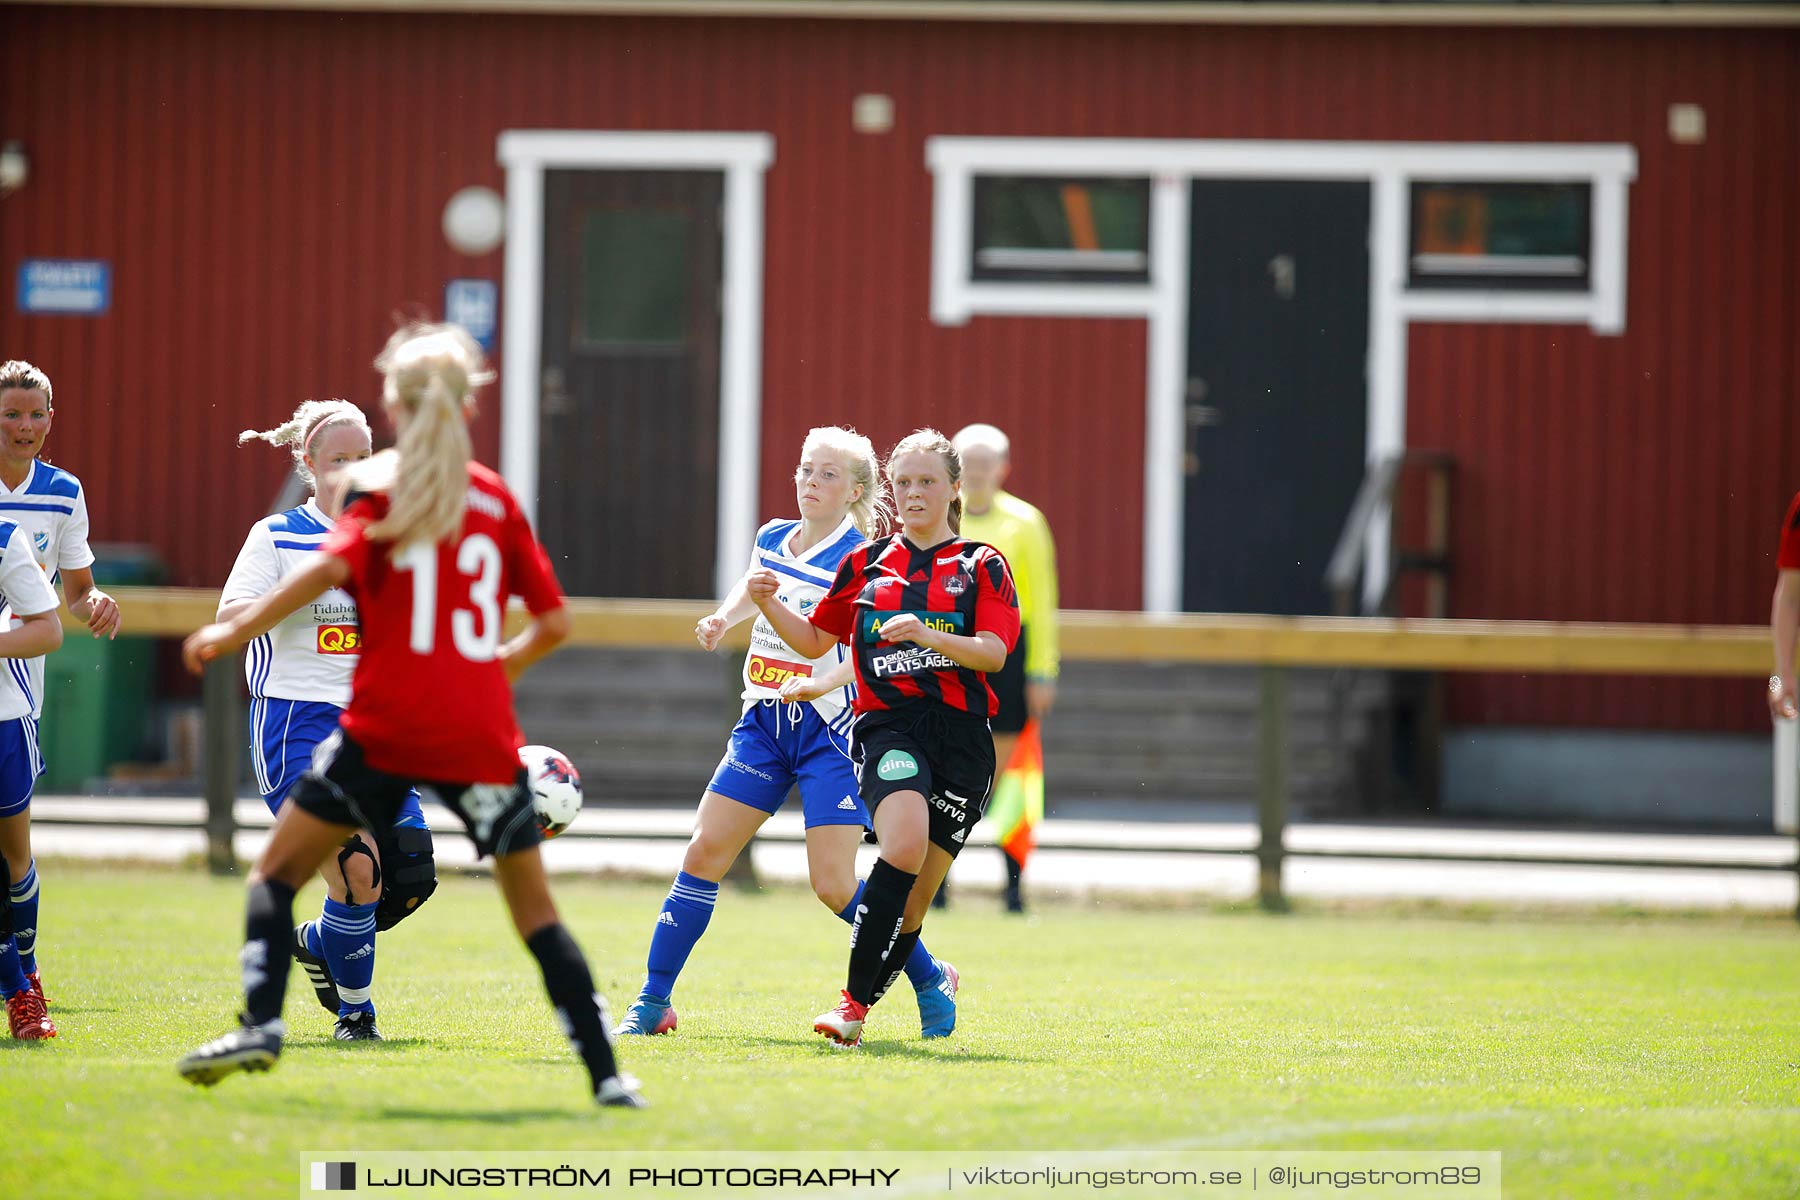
(1204,271)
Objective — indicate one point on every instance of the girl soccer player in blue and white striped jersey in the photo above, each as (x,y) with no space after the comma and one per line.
(299,676)
(31,631)
(775,746)
(49,509)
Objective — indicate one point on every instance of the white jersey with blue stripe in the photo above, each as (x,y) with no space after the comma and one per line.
(312,654)
(805,578)
(25,589)
(50,509)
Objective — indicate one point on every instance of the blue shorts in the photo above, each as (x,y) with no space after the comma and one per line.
(283,736)
(770,751)
(21,762)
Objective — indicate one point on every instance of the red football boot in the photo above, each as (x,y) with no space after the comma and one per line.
(844,1023)
(25,1013)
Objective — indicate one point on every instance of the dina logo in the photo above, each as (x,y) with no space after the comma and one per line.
(334,1177)
(896,764)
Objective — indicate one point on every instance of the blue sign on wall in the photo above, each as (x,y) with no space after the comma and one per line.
(73,286)
(475,305)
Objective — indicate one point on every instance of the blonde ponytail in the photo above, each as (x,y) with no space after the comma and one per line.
(299,430)
(870,511)
(431,373)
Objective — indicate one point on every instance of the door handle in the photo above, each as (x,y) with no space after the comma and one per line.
(1199,416)
(1282,275)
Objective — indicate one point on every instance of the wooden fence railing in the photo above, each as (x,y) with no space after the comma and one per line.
(1275,644)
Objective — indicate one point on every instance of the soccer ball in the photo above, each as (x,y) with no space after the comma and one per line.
(555,788)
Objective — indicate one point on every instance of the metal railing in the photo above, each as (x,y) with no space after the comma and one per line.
(1418,700)
(1372,511)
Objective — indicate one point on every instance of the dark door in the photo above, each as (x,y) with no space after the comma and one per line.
(628,419)
(1277,395)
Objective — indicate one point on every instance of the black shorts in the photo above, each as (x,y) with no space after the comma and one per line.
(342,788)
(1009,688)
(945,755)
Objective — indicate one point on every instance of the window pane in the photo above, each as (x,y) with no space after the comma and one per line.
(1518,236)
(634,277)
(1030,228)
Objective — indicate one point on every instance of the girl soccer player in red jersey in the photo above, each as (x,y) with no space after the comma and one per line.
(431,545)
(927,615)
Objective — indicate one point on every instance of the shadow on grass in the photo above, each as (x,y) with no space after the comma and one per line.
(247,1098)
(384,1046)
(27,1046)
(484,1116)
(936,1050)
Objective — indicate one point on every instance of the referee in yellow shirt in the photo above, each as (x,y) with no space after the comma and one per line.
(1026,686)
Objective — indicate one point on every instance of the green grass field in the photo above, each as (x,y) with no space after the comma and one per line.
(1606,1057)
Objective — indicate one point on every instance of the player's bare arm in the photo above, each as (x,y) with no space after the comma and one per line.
(99,611)
(40,633)
(547,631)
(1784,627)
(804,689)
(983,651)
(305,585)
(736,607)
(790,626)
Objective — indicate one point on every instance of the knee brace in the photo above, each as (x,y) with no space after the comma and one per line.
(351,849)
(410,877)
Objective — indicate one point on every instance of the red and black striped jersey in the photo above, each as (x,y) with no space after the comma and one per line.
(959,586)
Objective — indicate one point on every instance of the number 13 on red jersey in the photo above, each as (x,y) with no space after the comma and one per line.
(475,631)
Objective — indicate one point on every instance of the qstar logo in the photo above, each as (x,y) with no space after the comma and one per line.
(340,639)
(773,672)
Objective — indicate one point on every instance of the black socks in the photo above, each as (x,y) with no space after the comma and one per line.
(268,949)
(875,934)
(571,989)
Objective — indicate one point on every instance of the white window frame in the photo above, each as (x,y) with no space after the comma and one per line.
(1171,165)
(743,158)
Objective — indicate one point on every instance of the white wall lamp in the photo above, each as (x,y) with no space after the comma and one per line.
(475,221)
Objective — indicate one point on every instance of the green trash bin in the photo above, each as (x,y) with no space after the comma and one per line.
(97,693)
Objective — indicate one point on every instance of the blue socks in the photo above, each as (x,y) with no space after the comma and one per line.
(921,969)
(684,918)
(346,937)
(18,944)
(12,976)
(678,927)
(25,917)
